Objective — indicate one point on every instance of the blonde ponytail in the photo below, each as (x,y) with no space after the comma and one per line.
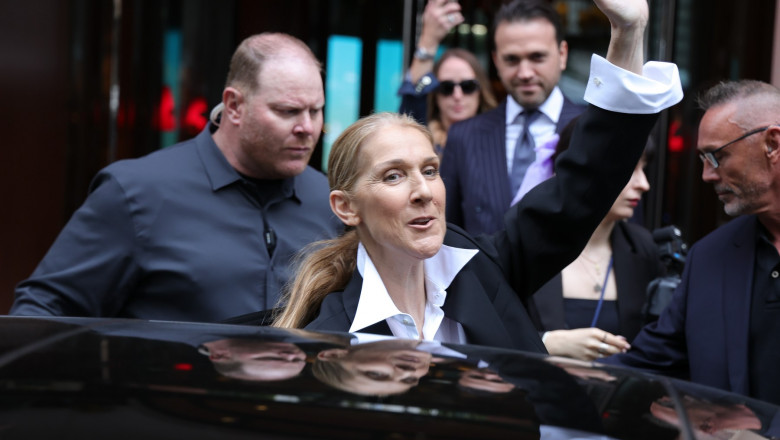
(327,267)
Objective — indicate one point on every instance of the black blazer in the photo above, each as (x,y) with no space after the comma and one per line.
(474,169)
(636,264)
(543,234)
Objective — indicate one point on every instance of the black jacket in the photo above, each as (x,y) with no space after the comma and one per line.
(543,234)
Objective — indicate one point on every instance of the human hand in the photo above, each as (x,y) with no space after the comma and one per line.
(439,17)
(585,344)
(625,13)
(628,19)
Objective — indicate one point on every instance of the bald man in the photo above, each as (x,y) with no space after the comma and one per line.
(206,229)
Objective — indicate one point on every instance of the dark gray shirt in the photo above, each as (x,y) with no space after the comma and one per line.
(178,235)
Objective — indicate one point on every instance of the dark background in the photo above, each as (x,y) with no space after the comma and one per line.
(63,61)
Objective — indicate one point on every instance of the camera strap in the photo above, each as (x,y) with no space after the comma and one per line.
(601,297)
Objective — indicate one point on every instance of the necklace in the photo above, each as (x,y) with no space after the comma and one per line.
(596,262)
(596,279)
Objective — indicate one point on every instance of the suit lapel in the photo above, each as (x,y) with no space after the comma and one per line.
(549,304)
(568,112)
(737,265)
(626,270)
(492,153)
(351,297)
(475,312)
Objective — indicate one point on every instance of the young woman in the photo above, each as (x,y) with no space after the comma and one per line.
(593,308)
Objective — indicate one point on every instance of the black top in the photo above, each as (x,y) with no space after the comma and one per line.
(579,314)
(763,352)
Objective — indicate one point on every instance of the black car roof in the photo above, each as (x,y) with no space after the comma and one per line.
(120,378)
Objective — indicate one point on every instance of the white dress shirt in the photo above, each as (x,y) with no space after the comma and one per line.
(376,305)
(542,129)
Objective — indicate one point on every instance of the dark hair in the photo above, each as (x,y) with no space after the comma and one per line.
(526,10)
(728,91)
(487,100)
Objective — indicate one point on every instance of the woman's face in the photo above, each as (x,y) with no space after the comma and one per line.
(629,198)
(258,360)
(457,106)
(384,367)
(398,202)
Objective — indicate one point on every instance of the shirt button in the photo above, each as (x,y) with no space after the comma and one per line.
(407,322)
(775,274)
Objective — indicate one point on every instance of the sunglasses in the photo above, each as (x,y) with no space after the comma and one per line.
(447,88)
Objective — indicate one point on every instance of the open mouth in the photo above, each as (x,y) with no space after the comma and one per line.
(422,221)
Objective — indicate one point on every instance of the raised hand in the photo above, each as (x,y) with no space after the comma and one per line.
(439,17)
(628,19)
(624,13)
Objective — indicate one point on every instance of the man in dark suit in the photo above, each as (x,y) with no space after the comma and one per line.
(486,156)
(722,327)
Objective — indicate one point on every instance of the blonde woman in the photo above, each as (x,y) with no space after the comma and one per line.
(401,270)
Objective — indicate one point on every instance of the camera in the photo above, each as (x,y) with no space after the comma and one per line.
(671,251)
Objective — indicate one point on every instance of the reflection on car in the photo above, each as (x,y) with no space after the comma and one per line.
(118,378)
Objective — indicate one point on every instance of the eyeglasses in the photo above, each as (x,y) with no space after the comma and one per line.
(447,88)
(710,155)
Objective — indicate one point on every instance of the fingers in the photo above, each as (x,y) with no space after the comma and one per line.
(623,13)
(444,14)
(607,344)
(603,350)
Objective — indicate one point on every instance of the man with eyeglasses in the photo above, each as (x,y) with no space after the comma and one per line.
(487,156)
(722,327)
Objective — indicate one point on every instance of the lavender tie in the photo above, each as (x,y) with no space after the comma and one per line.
(524,150)
(540,170)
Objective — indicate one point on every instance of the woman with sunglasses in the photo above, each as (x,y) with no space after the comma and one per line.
(455,88)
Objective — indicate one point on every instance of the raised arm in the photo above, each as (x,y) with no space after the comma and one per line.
(439,17)
(628,19)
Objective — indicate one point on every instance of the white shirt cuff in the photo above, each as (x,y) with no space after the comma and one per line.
(615,89)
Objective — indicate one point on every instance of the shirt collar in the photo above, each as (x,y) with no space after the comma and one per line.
(219,171)
(375,303)
(551,107)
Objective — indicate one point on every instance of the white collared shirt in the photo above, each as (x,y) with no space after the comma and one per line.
(541,130)
(376,305)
